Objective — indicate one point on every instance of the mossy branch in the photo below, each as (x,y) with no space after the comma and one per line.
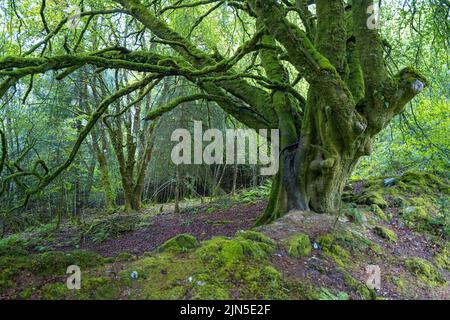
(154,114)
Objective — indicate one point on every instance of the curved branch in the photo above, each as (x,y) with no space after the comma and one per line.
(154,114)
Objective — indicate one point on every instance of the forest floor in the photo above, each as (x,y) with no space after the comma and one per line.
(397,225)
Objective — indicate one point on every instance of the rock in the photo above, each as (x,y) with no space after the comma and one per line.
(389,182)
(201,283)
(410,209)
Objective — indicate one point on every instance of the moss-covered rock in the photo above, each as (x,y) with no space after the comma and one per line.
(386,233)
(56,262)
(378,212)
(373,197)
(442,259)
(416,217)
(361,288)
(179,243)
(425,271)
(298,245)
(217,268)
(333,250)
(356,216)
(256,236)
(423,181)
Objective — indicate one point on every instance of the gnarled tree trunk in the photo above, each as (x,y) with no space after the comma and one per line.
(351,98)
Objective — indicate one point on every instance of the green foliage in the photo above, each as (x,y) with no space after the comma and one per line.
(325,294)
(416,143)
(109,227)
(255,194)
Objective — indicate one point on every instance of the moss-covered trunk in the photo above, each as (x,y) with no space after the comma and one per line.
(316,159)
(132,201)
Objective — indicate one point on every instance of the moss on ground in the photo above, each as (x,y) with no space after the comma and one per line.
(340,246)
(419,199)
(359,287)
(53,263)
(425,271)
(334,250)
(386,233)
(378,212)
(179,243)
(298,245)
(219,269)
(56,262)
(442,259)
(98,288)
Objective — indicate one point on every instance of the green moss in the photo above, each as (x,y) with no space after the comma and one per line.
(416,217)
(442,259)
(423,181)
(13,245)
(222,252)
(179,243)
(302,289)
(399,201)
(56,262)
(161,277)
(386,233)
(92,288)
(399,282)
(226,252)
(124,256)
(262,282)
(256,236)
(54,291)
(298,245)
(98,288)
(373,197)
(425,271)
(378,212)
(10,267)
(356,216)
(364,292)
(212,271)
(333,250)
(7,278)
(45,264)
(205,287)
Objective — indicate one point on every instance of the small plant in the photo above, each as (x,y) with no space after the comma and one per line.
(255,194)
(325,294)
